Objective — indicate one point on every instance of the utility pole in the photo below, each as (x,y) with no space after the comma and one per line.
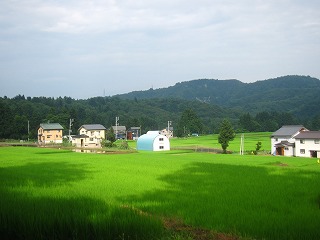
(116,130)
(70,125)
(169,123)
(28,130)
(242,144)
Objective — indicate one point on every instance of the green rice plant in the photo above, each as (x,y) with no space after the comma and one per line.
(211,141)
(39,201)
(26,217)
(68,195)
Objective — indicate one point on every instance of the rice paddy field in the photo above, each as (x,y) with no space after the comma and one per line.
(211,141)
(179,194)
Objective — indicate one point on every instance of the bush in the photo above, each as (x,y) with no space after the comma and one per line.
(123,145)
(107,143)
(258,146)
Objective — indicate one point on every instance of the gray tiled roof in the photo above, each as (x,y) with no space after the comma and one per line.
(284,143)
(135,128)
(288,130)
(80,136)
(308,135)
(119,128)
(93,127)
(51,126)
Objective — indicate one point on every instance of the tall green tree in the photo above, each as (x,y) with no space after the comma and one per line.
(247,123)
(111,135)
(226,134)
(189,123)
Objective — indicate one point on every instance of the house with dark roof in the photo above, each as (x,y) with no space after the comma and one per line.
(307,144)
(133,133)
(283,140)
(120,132)
(50,133)
(90,136)
(295,140)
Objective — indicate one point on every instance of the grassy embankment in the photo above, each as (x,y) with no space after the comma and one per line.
(58,194)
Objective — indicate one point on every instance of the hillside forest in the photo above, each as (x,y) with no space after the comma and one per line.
(264,106)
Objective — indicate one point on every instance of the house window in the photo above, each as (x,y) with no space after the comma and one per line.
(160,139)
(302,141)
(49,136)
(276,139)
(161,147)
(91,139)
(302,151)
(57,136)
(316,141)
(286,148)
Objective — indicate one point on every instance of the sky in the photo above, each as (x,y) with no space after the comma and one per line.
(88,48)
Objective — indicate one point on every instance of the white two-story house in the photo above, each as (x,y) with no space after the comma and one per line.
(90,135)
(283,140)
(307,144)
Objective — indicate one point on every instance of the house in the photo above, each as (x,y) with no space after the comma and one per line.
(133,133)
(50,133)
(167,133)
(90,135)
(120,132)
(307,144)
(153,141)
(283,141)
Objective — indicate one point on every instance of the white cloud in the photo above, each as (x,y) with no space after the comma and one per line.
(174,39)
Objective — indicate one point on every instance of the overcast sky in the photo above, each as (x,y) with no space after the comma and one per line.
(83,48)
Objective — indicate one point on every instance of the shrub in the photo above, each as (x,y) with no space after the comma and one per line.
(107,143)
(123,145)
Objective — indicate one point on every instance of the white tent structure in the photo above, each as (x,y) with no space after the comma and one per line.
(153,141)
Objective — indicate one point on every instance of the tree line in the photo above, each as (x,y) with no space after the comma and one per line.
(187,116)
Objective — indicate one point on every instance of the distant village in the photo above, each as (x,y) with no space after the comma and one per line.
(92,135)
(289,140)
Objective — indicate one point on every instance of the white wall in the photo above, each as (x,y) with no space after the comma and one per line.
(161,143)
(286,152)
(309,144)
(93,133)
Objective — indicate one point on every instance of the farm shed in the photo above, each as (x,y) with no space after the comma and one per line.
(133,133)
(153,141)
(80,140)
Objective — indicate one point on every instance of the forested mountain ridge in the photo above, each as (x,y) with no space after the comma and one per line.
(150,114)
(260,106)
(295,94)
